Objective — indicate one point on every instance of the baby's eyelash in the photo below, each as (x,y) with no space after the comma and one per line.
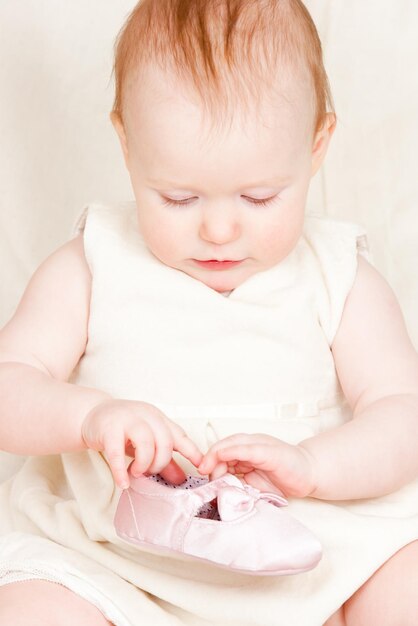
(186,201)
(261,202)
(170,202)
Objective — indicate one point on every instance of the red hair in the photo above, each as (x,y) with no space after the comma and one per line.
(222,48)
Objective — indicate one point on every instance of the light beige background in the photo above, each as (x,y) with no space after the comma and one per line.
(58,150)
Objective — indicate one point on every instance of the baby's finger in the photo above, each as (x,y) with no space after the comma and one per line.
(260,480)
(142,439)
(183,444)
(114,449)
(173,473)
(253,453)
(163,452)
(211,457)
(219,470)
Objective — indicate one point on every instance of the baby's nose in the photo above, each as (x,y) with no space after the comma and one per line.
(220,226)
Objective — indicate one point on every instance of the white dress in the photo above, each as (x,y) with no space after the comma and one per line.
(256,360)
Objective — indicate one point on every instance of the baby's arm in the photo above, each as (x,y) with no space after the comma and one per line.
(41,413)
(375,452)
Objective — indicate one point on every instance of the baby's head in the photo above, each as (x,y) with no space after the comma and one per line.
(221,109)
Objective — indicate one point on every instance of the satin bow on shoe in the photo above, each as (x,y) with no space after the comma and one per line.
(234,502)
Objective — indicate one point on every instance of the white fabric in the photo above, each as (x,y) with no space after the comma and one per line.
(258,360)
(325,258)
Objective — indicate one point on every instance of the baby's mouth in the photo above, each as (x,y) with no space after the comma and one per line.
(218,265)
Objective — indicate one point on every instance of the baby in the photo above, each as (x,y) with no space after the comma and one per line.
(211,301)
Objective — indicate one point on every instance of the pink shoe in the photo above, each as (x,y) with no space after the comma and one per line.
(223,522)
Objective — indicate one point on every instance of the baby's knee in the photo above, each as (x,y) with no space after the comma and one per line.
(389,597)
(42,603)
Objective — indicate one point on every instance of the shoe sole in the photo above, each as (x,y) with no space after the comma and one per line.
(163,550)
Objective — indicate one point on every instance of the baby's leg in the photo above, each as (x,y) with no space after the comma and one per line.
(388,598)
(42,603)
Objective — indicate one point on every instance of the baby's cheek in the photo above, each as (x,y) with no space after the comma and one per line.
(162,247)
(158,234)
(278,244)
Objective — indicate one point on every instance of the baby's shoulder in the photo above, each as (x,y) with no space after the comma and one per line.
(68,266)
(372,350)
(49,328)
(73,253)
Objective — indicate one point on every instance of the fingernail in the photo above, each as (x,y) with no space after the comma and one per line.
(124,485)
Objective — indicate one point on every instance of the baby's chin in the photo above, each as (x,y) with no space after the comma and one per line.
(225,284)
(221,281)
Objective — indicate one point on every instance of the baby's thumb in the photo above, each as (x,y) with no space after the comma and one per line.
(173,473)
(219,470)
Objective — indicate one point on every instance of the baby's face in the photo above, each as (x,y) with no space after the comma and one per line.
(238,195)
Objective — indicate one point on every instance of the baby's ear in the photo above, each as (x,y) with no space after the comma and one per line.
(321,141)
(117,122)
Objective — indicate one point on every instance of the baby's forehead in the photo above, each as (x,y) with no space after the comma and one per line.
(287,101)
(166,134)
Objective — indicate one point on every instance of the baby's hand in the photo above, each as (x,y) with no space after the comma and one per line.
(140,430)
(265,462)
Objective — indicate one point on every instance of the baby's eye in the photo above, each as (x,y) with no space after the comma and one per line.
(171,202)
(260,201)
(185,201)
